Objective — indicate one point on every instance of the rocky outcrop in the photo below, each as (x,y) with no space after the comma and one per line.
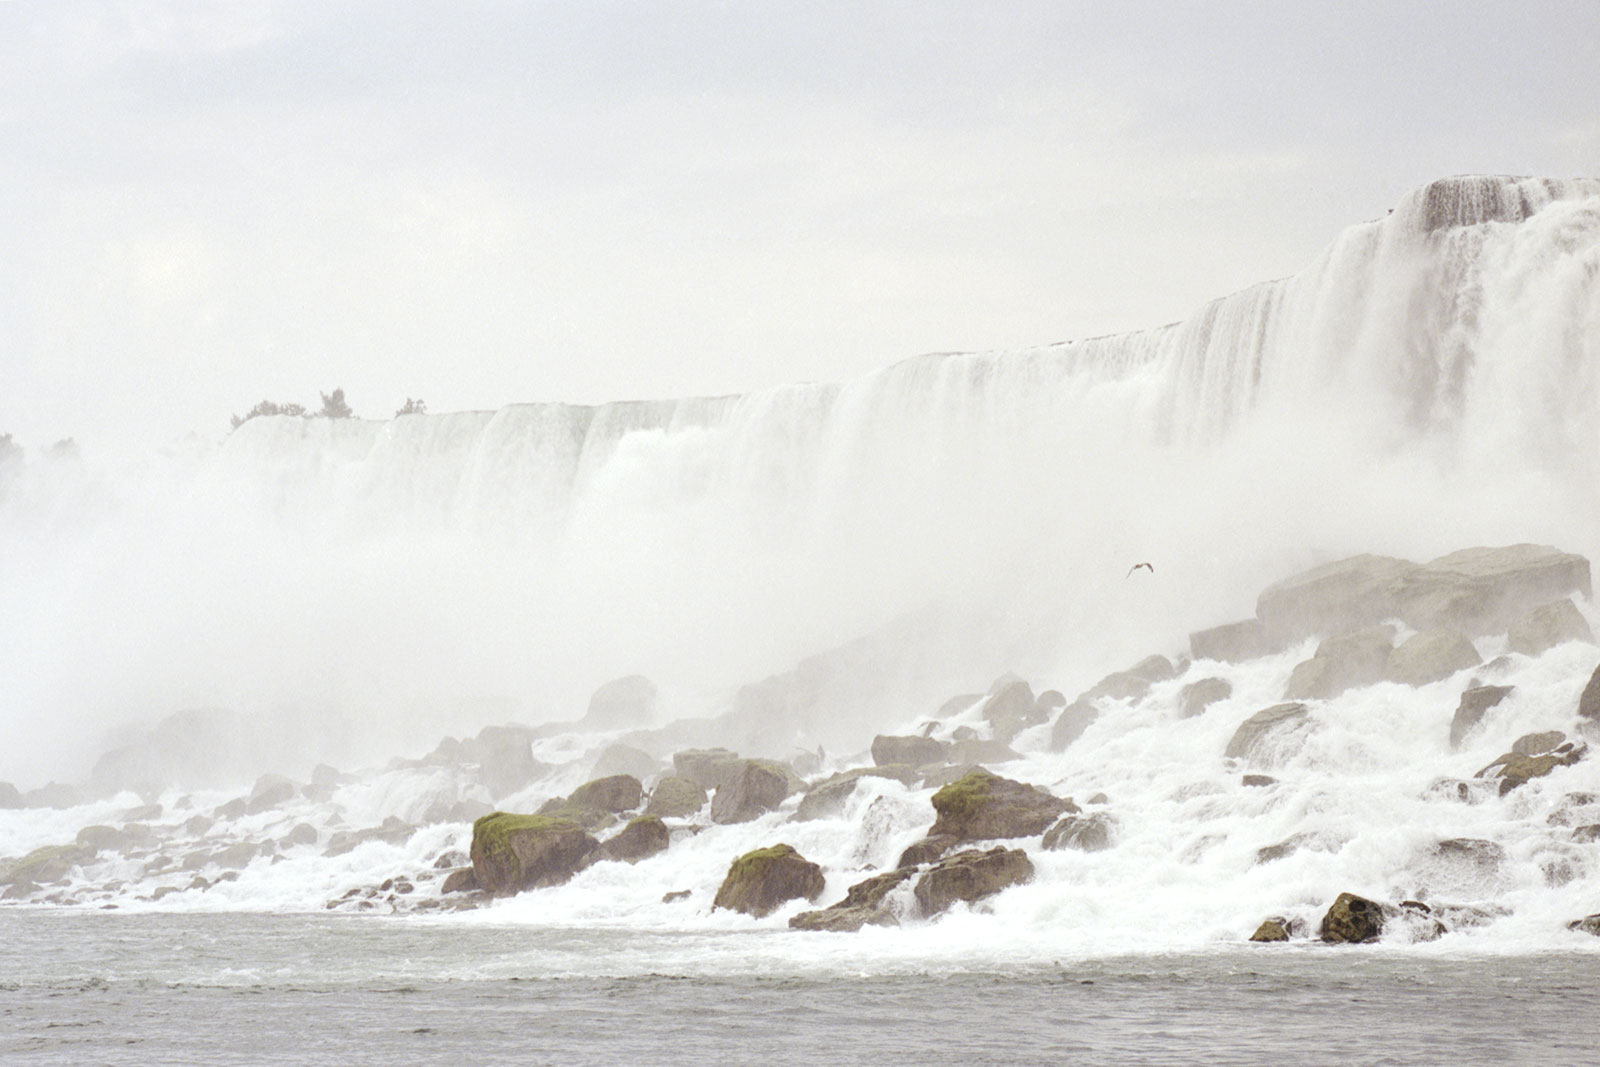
(1334,598)
(1352,920)
(759,882)
(622,704)
(1234,642)
(676,798)
(640,839)
(709,768)
(1086,833)
(982,806)
(619,792)
(1430,656)
(512,852)
(864,904)
(10,797)
(1474,703)
(971,876)
(45,865)
(1264,736)
(1196,697)
(1342,662)
(760,788)
(1547,626)
(916,751)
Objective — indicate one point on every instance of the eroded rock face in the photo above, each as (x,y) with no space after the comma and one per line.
(619,792)
(982,806)
(916,751)
(640,839)
(759,882)
(1475,702)
(1430,656)
(676,798)
(863,905)
(512,852)
(1547,626)
(970,876)
(1261,737)
(760,788)
(1352,920)
(1341,662)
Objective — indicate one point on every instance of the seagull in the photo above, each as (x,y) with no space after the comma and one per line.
(1136,566)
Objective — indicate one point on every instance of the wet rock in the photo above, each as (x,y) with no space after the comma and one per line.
(928,850)
(232,810)
(640,839)
(105,838)
(981,750)
(964,733)
(196,825)
(1535,743)
(1515,769)
(864,904)
(1352,920)
(239,855)
(759,882)
(1258,781)
(462,880)
(329,778)
(1589,701)
(1587,834)
(270,791)
(54,795)
(1342,662)
(505,759)
(620,792)
(1011,709)
(1271,930)
(760,788)
(1466,791)
(1589,924)
(1234,642)
(1484,590)
(956,705)
(1430,656)
(300,834)
(1335,597)
(1196,697)
(676,798)
(622,704)
(624,759)
(676,895)
(1547,626)
(467,810)
(1086,833)
(393,831)
(1306,839)
(143,813)
(513,852)
(1265,736)
(1475,702)
(709,768)
(10,797)
(46,865)
(971,876)
(1472,857)
(1074,719)
(982,806)
(916,751)
(591,819)
(827,800)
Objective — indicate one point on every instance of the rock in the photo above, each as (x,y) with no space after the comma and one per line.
(1589,924)
(301,834)
(581,815)
(710,768)
(759,882)
(393,831)
(1308,840)
(467,810)
(1196,697)
(239,855)
(1074,719)
(1352,920)
(1457,789)
(1010,710)
(270,791)
(1472,856)
(328,778)
(196,825)
(1587,834)
(622,704)
(826,800)
(971,876)
(1259,780)
(505,759)
(1547,626)
(1341,662)
(964,733)
(1430,656)
(1234,642)
(54,795)
(620,792)
(1514,770)
(511,852)
(981,750)
(982,806)
(233,809)
(1264,736)
(1589,702)
(1484,590)
(1271,930)
(1536,743)
(105,838)
(758,790)
(1470,711)
(675,798)
(927,850)
(1333,598)
(143,813)
(45,865)
(624,759)
(863,905)
(916,751)
(1131,684)
(1086,833)
(640,839)
(10,797)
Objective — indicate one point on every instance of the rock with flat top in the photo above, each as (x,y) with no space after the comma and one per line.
(1430,656)
(760,882)
(511,853)
(983,806)
(1547,626)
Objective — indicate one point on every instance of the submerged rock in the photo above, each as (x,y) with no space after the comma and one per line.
(1430,656)
(759,882)
(970,876)
(513,852)
(1352,920)
(676,798)
(863,905)
(982,806)
(1547,626)
(1475,702)
(1263,735)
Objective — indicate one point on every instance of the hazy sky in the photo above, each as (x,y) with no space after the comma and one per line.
(478,203)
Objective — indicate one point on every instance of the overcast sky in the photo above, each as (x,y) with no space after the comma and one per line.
(480,203)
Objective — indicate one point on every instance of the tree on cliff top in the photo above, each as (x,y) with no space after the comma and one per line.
(334,407)
(268,407)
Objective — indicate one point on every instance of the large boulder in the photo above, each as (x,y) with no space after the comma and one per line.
(928,850)
(622,704)
(1336,597)
(624,759)
(1474,704)
(270,791)
(1547,626)
(620,792)
(1430,656)
(1342,662)
(1589,701)
(10,797)
(1196,697)
(640,839)
(760,788)
(56,795)
(709,768)
(676,798)
(1011,708)
(1352,920)
(759,882)
(1484,590)
(1265,736)
(1086,833)
(581,815)
(1233,642)
(982,806)
(826,800)
(970,876)
(1074,719)
(44,865)
(864,904)
(916,751)
(1130,684)
(504,755)
(512,852)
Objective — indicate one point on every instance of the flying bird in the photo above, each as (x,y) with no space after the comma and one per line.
(1136,566)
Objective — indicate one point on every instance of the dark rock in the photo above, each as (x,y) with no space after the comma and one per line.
(758,790)
(622,704)
(983,806)
(270,791)
(1470,711)
(676,798)
(1196,697)
(1342,662)
(1234,642)
(1086,833)
(620,792)
(676,895)
(1587,834)
(1263,735)
(624,759)
(1271,930)
(927,850)
(971,876)
(916,751)
(759,882)
(1547,626)
(511,852)
(863,905)
(1589,702)
(709,768)
(826,800)
(1430,656)
(1513,769)
(1536,743)
(640,839)
(1352,920)
(1589,924)
(1259,780)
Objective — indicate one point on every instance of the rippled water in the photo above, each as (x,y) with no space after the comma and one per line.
(223,989)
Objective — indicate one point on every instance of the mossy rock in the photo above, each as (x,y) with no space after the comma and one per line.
(49,864)
(512,852)
(981,806)
(1270,930)
(618,792)
(676,798)
(1353,920)
(582,815)
(760,881)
